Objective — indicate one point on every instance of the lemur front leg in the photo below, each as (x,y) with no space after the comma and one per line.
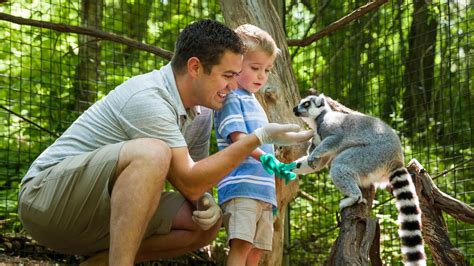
(302,167)
(328,148)
(318,157)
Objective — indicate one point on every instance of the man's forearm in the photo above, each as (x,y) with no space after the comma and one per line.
(204,174)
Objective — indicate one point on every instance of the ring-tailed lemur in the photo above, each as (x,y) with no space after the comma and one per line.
(362,150)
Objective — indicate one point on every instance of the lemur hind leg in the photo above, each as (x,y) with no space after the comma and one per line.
(344,178)
(348,187)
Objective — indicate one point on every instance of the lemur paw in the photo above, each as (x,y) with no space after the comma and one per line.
(349,201)
(312,161)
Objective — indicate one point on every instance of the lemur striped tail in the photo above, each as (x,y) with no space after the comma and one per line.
(409,217)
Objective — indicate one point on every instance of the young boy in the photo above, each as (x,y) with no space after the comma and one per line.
(247,194)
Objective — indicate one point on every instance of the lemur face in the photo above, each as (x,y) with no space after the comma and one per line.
(311,106)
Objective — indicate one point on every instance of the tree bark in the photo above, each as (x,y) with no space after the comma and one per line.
(87,71)
(278,98)
(358,242)
(136,22)
(420,64)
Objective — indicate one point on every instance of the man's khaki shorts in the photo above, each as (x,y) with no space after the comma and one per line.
(250,220)
(67,207)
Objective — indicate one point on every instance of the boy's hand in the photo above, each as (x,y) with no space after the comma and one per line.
(208,212)
(273,166)
(282,134)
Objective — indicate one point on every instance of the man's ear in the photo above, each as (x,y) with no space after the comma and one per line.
(194,66)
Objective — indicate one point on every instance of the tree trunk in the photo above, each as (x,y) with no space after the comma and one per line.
(420,64)
(278,98)
(358,242)
(136,22)
(87,71)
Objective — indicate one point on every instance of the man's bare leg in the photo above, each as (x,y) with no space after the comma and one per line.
(185,236)
(141,172)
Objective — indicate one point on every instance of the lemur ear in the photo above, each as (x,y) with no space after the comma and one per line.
(319,101)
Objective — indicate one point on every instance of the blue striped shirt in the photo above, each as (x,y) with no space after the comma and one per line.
(243,113)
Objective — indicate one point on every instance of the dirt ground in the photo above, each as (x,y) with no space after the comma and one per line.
(23,250)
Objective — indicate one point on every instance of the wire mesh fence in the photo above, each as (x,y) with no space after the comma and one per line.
(409,63)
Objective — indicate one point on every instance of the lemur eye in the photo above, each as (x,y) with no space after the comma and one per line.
(306,104)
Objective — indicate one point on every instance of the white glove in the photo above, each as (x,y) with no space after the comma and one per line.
(282,134)
(208,212)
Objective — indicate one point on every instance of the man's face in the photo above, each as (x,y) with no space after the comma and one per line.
(211,89)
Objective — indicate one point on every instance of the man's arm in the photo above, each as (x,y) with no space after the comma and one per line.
(192,179)
(235,136)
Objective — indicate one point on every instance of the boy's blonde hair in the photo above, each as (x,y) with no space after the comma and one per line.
(255,38)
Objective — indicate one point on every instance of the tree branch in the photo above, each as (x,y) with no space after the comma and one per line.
(432,203)
(60,27)
(338,24)
(30,121)
(437,198)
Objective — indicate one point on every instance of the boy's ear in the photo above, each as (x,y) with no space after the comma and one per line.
(194,66)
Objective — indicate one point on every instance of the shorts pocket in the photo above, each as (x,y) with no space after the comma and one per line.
(32,196)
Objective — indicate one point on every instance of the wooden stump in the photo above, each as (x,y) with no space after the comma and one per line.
(358,242)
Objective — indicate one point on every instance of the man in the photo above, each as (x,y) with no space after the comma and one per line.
(99,186)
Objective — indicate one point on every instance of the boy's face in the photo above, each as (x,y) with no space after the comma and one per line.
(255,70)
(214,87)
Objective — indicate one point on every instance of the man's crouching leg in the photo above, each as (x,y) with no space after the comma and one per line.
(183,237)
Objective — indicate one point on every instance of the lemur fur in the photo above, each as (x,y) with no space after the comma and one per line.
(362,150)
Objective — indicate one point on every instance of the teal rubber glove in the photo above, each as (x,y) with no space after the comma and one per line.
(282,170)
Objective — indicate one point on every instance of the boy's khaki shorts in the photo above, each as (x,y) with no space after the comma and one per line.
(67,207)
(250,220)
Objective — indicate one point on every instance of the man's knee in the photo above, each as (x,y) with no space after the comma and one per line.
(150,149)
(145,155)
(143,151)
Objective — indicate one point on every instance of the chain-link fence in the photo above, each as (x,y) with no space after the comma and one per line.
(409,63)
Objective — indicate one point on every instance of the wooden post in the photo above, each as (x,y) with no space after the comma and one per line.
(358,242)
